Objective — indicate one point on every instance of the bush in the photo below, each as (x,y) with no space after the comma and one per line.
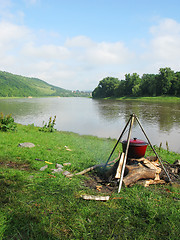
(7,123)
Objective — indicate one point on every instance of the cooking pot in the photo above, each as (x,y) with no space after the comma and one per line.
(137,148)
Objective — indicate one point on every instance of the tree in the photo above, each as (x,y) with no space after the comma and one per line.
(132,84)
(175,85)
(148,85)
(119,90)
(106,88)
(164,80)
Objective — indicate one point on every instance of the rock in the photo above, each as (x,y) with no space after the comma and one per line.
(26,144)
(59,165)
(57,170)
(67,164)
(65,173)
(43,168)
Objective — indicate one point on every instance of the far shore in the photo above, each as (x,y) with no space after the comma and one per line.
(149,99)
(145,99)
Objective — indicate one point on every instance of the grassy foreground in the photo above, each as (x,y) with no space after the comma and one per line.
(40,205)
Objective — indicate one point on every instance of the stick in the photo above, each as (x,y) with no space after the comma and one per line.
(126,153)
(92,168)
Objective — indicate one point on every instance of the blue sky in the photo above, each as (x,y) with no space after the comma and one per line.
(74,44)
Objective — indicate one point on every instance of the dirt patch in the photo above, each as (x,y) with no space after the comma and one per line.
(99,184)
(15,165)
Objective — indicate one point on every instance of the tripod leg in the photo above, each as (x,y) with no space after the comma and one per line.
(126,153)
(153,148)
(117,142)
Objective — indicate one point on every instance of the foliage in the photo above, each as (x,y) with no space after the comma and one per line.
(49,127)
(167,82)
(41,205)
(7,123)
(18,86)
(106,87)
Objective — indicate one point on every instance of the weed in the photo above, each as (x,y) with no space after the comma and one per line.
(49,127)
(7,123)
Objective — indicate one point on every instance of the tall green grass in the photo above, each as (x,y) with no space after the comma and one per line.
(41,205)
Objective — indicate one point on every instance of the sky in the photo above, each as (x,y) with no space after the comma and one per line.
(74,44)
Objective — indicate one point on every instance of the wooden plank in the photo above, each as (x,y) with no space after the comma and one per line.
(96,198)
(119,168)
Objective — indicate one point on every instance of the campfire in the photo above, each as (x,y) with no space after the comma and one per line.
(131,166)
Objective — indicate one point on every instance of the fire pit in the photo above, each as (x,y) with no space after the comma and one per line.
(137,148)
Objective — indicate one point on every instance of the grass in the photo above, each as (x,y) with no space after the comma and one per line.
(41,205)
(169,99)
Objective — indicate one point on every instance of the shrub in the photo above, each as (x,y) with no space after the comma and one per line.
(7,123)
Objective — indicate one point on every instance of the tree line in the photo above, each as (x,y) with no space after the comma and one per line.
(166,82)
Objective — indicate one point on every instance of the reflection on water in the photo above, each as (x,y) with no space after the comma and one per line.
(103,118)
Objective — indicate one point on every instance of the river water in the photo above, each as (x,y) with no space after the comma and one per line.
(102,118)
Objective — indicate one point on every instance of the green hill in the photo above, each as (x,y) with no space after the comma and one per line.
(12,85)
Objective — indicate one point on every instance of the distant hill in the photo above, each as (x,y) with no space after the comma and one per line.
(12,85)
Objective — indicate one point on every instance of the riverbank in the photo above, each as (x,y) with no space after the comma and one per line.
(44,205)
(150,99)
(147,99)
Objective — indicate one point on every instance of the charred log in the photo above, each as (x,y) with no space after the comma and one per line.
(136,173)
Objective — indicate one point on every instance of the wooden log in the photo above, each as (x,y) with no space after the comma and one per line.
(119,169)
(96,198)
(136,173)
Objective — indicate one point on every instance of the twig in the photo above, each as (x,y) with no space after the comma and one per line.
(92,168)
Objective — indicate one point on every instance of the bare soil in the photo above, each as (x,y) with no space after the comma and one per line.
(15,165)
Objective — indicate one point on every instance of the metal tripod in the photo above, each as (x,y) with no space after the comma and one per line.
(131,122)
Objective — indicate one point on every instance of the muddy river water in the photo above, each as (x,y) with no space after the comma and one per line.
(102,118)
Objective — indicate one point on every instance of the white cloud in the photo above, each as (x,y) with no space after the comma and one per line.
(164,47)
(45,51)
(11,32)
(102,53)
(80,62)
(79,41)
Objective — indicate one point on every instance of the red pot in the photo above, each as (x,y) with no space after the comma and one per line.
(137,148)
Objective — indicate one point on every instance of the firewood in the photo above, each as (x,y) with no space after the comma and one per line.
(118,172)
(136,173)
(151,181)
(151,165)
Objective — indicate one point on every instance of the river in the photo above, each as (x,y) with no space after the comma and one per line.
(102,118)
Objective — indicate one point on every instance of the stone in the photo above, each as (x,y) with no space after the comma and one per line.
(26,144)
(59,165)
(67,164)
(57,170)
(65,173)
(43,168)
